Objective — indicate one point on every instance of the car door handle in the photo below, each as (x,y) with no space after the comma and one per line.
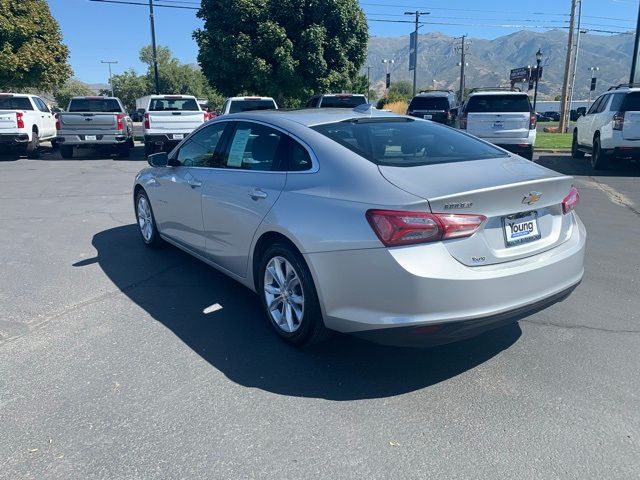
(257,194)
(193,183)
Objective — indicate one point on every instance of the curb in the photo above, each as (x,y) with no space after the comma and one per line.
(552,150)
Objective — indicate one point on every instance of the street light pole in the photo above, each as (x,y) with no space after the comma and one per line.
(368,83)
(535,92)
(387,63)
(634,60)
(415,46)
(109,62)
(153,48)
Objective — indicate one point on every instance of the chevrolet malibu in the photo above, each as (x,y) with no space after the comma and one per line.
(366,222)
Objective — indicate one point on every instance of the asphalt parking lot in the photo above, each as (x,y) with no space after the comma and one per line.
(110,369)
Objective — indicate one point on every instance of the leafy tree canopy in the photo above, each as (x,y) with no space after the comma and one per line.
(281,48)
(71,88)
(32,54)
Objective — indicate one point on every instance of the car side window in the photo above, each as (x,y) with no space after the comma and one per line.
(616,103)
(198,150)
(41,105)
(299,159)
(595,105)
(603,103)
(256,147)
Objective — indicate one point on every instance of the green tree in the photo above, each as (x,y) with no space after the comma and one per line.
(71,88)
(32,54)
(128,86)
(557,98)
(402,89)
(281,48)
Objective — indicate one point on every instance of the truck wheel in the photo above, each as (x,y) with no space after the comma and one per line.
(124,151)
(599,159)
(54,144)
(528,154)
(33,147)
(575,151)
(149,148)
(66,151)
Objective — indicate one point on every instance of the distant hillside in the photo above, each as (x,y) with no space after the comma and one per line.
(491,60)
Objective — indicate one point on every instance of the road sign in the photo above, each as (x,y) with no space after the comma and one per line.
(520,74)
(593,84)
(413,41)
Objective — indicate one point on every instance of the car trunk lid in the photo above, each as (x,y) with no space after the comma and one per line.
(514,194)
(176,121)
(8,120)
(88,121)
(498,125)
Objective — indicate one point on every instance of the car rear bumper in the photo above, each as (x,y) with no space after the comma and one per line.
(13,138)
(102,139)
(423,285)
(164,138)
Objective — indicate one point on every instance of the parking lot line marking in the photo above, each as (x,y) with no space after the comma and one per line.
(614,196)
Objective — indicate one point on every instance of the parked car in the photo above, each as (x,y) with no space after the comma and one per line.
(436,105)
(246,104)
(168,119)
(336,100)
(502,117)
(611,127)
(366,222)
(94,122)
(551,116)
(25,121)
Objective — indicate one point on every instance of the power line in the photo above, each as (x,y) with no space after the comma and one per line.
(459,9)
(126,2)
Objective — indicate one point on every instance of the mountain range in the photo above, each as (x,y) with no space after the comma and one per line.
(490,61)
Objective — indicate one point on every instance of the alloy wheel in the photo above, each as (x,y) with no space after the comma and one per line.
(145,221)
(283,294)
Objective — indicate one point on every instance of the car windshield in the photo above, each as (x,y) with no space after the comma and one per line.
(169,104)
(498,103)
(247,105)
(343,101)
(109,105)
(429,103)
(404,142)
(15,103)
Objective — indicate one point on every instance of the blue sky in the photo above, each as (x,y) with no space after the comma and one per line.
(103,31)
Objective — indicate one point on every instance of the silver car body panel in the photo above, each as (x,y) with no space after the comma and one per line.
(361,284)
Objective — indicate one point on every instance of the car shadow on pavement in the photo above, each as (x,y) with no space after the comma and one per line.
(175,289)
(568,165)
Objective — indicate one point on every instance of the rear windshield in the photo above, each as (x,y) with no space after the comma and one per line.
(246,105)
(498,103)
(429,103)
(173,105)
(15,103)
(94,105)
(403,142)
(349,101)
(631,102)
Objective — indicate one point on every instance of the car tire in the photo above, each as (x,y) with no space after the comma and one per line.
(124,151)
(54,144)
(297,317)
(599,159)
(147,221)
(149,148)
(33,147)
(66,151)
(575,151)
(528,154)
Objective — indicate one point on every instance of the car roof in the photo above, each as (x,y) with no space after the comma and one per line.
(341,95)
(309,116)
(496,92)
(435,94)
(20,95)
(249,98)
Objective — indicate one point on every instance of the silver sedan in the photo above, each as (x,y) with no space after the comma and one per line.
(366,222)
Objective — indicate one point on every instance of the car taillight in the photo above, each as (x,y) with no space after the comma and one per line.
(533,121)
(618,121)
(395,228)
(120,121)
(58,126)
(20,119)
(208,116)
(463,121)
(147,122)
(571,200)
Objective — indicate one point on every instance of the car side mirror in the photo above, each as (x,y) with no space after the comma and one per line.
(160,159)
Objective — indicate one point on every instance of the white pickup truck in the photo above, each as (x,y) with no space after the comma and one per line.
(95,122)
(168,119)
(25,120)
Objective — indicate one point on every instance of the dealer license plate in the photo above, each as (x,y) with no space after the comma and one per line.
(427,117)
(90,137)
(178,136)
(521,228)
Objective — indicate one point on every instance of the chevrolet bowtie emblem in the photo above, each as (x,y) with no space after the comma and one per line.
(531,198)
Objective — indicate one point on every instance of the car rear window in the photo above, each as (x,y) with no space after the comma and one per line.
(169,104)
(340,101)
(498,103)
(404,142)
(631,102)
(429,103)
(247,105)
(109,105)
(15,103)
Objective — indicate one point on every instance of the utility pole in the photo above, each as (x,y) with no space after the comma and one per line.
(634,60)
(110,82)
(462,64)
(153,48)
(413,45)
(564,111)
(368,82)
(575,56)
(387,62)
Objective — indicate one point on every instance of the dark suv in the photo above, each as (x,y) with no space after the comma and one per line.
(437,105)
(336,100)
